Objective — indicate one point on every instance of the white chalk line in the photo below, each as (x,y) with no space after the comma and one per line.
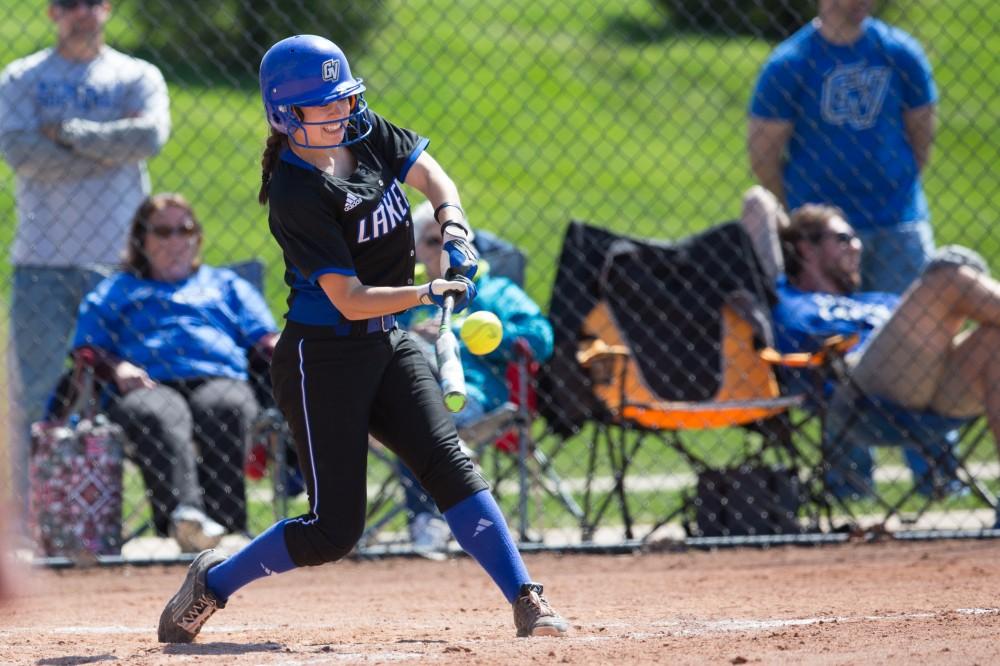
(724,625)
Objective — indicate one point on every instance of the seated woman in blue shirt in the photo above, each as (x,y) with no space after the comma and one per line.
(173,336)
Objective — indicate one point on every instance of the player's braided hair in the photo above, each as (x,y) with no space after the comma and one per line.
(276,142)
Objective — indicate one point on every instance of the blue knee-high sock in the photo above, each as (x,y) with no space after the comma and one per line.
(481,531)
(265,555)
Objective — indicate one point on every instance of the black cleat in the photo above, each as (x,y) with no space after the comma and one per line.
(533,616)
(188,610)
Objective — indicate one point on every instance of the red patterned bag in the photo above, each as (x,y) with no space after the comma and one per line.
(76,481)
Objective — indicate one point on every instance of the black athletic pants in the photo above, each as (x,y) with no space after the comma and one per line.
(186,435)
(333,390)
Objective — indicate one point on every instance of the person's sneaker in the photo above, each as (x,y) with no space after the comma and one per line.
(193,530)
(188,610)
(533,616)
(429,535)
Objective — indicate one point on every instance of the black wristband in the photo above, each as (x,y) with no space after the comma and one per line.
(447,204)
(449,222)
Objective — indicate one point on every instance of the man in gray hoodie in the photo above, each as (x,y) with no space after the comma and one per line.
(77,123)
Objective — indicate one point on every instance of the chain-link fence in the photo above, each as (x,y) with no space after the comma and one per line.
(654,413)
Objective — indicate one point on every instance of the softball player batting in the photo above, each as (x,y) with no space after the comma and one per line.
(332,170)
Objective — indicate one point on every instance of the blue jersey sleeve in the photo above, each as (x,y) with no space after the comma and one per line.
(776,93)
(914,70)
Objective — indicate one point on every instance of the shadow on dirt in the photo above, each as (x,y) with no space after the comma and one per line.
(222,648)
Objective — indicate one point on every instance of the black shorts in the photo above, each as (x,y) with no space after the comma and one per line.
(333,391)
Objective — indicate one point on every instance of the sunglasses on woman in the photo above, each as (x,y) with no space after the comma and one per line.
(166,231)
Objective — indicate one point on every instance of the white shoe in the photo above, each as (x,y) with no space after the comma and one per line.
(430,535)
(193,530)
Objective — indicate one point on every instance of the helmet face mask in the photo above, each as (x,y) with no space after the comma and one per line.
(306,70)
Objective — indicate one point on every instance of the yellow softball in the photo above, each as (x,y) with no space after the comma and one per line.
(481,332)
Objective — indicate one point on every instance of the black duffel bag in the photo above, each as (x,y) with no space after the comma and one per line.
(747,501)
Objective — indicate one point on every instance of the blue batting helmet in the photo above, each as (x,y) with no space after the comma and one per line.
(306,70)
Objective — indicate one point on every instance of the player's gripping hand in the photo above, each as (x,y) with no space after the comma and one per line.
(457,254)
(433,293)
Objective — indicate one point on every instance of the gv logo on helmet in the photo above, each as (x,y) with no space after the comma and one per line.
(331,70)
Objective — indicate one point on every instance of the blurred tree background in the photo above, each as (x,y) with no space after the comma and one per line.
(627,114)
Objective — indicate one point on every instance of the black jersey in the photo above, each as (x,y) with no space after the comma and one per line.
(360,225)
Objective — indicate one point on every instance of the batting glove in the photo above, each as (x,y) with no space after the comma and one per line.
(457,255)
(434,292)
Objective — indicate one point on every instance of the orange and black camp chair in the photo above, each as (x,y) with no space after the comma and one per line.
(656,339)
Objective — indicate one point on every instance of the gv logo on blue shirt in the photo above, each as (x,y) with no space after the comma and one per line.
(853,95)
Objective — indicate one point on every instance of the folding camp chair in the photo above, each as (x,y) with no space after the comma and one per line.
(861,420)
(501,440)
(667,339)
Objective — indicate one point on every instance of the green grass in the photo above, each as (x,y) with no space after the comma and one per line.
(723,448)
(548,110)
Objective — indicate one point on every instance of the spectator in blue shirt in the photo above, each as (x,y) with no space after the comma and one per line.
(173,336)
(931,351)
(843,114)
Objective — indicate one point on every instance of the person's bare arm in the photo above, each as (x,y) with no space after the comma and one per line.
(766,143)
(761,217)
(129,377)
(138,134)
(920,125)
(430,178)
(359,301)
(427,176)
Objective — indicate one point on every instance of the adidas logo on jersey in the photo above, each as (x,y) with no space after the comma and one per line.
(352,201)
(482,525)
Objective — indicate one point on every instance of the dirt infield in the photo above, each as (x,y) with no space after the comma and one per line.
(854,604)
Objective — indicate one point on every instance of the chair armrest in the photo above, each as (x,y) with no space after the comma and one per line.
(833,347)
(597,351)
(490,426)
(522,350)
(100,361)
(793,360)
(605,363)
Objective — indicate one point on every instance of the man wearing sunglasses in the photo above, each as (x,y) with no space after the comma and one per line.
(927,357)
(77,122)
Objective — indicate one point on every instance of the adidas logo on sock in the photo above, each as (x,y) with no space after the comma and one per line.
(352,201)
(482,525)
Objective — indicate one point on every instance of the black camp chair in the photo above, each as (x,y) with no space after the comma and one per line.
(655,340)
(647,337)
